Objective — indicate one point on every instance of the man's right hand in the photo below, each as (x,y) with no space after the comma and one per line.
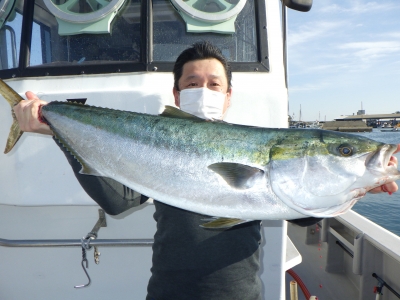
(27,114)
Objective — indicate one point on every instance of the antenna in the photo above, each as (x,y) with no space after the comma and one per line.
(300,113)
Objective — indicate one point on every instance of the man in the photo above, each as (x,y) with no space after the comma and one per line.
(189,262)
(203,264)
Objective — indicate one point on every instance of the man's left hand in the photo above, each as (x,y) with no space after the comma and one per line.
(390,187)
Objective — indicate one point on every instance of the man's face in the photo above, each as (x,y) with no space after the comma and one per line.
(208,73)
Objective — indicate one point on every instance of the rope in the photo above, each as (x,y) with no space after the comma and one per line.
(300,283)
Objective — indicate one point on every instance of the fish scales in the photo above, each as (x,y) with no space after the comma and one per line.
(216,168)
(165,158)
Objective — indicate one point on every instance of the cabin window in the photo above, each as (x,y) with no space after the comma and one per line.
(10,34)
(69,37)
(49,46)
(171,35)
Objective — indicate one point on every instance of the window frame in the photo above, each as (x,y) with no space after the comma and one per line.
(146,63)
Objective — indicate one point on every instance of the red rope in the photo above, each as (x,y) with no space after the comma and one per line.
(300,283)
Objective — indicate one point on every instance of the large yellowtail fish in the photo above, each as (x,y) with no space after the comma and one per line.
(219,169)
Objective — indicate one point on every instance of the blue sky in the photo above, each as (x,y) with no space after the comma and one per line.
(342,53)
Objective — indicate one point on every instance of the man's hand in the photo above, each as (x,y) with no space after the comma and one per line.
(27,114)
(388,187)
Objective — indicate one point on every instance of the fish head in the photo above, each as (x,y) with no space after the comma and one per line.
(323,174)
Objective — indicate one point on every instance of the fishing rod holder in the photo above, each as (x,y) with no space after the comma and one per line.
(381,284)
(92,235)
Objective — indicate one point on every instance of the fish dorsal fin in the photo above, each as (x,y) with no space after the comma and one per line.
(222,223)
(173,112)
(237,175)
(77,100)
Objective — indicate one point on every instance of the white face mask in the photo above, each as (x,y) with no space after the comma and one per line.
(203,103)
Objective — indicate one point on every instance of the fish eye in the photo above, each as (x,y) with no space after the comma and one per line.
(345,150)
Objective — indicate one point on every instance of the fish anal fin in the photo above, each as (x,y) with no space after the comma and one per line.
(86,169)
(222,223)
(173,112)
(238,175)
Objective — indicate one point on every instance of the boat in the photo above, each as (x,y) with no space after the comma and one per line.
(120,54)
(390,130)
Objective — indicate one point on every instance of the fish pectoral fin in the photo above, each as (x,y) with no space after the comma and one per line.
(222,223)
(237,175)
(173,112)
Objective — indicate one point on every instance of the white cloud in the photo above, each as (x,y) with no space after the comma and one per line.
(371,50)
(326,67)
(395,35)
(312,31)
(359,7)
(331,8)
(306,87)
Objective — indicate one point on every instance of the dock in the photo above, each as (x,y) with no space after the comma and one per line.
(347,126)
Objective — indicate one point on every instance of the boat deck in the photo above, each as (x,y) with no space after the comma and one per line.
(324,285)
(347,266)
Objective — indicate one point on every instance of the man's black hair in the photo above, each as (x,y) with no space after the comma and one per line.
(200,50)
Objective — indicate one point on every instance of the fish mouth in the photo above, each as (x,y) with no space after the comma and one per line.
(379,161)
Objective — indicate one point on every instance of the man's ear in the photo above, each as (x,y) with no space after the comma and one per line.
(227,102)
(176,96)
(229,95)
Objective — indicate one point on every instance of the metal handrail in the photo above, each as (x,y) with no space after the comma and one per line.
(340,244)
(13,45)
(76,243)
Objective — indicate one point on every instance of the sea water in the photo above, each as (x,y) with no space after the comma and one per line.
(383,209)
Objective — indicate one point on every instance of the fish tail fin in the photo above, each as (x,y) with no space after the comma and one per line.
(13,98)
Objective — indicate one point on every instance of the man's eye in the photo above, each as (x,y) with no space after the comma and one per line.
(215,87)
(192,84)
